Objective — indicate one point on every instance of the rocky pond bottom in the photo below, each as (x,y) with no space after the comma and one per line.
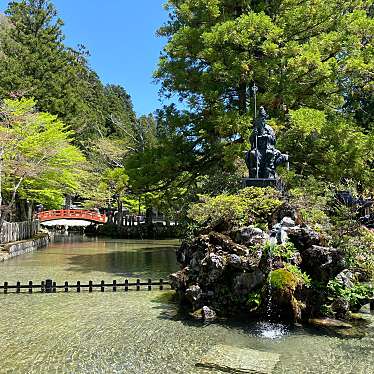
(142,332)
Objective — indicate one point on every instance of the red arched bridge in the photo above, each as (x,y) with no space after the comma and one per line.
(71,214)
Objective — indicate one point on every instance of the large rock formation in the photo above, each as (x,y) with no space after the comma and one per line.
(249,271)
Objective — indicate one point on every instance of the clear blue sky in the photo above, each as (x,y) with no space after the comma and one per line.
(120,35)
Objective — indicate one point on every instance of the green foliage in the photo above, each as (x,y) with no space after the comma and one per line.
(222,208)
(35,62)
(328,148)
(302,277)
(356,296)
(312,62)
(254,300)
(313,199)
(39,162)
(250,205)
(283,279)
(285,251)
(359,250)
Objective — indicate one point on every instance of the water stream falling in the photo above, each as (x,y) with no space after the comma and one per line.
(267,328)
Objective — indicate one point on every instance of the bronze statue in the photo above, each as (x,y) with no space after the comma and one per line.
(263,158)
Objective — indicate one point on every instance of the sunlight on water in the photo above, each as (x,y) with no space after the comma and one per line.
(272,330)
(139,332)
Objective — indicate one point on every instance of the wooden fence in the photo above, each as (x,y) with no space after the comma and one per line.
(13,232)
(49,286)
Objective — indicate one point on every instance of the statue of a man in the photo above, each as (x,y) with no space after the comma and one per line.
(263,158)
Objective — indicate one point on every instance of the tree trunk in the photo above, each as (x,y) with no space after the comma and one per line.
(148,216)
(242,93)
(68,201)
(120,212)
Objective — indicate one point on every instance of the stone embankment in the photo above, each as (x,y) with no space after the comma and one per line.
(14,249)
(143,231)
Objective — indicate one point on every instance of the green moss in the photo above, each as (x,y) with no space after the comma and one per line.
(282,278)
(301,276)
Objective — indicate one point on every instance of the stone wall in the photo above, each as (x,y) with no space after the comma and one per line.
(16,231)
(143,231)
(14,249)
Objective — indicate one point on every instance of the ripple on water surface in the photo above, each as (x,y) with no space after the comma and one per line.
(138,333)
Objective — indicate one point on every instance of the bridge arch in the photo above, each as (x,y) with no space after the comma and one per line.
(64,216)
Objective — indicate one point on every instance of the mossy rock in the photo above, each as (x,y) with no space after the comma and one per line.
(283,279)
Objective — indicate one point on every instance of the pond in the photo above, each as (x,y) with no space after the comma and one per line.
(138,332)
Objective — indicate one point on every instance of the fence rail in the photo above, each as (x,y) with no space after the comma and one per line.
(49,286)
(16,231)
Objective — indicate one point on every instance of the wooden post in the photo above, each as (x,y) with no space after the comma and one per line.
(126,285)
(5,287)
(48,285)
(114,286)
(138,284)
(42,287)
(90,286)
(18,290)
(161,284)
(78,286)
(66,288)
(149,284)
(54,287)
(102,286)
(30,286)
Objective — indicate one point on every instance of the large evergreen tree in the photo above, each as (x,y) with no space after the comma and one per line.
(314,56)
(36,63)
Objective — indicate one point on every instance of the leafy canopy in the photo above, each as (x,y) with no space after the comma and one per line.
(39,162)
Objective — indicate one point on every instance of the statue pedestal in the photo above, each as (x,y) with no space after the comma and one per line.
(260,182)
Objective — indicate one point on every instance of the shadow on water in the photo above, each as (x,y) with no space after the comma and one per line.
(169,308)
(153,262)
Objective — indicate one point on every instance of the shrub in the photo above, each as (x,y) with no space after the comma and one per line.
(250,206)
(215,210)
(359,250)
(356,296)
(285,251)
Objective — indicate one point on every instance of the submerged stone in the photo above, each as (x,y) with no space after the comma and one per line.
(239,360)
(329,322)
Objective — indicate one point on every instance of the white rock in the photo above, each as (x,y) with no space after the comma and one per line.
(288,222)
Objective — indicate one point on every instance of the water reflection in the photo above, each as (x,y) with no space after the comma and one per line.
(138,332)
(75,257)
(147,261)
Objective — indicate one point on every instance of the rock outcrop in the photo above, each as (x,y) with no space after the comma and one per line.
(259,274)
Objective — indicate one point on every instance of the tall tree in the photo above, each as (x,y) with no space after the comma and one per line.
(36,63)
(38,161)
(301,54)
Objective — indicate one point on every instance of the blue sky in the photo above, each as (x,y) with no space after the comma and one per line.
(120,35)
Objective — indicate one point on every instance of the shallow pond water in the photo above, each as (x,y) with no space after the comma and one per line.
(138,332)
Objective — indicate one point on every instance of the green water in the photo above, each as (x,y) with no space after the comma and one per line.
(138,332)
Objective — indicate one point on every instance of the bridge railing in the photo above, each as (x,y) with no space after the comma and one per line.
(72,214)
